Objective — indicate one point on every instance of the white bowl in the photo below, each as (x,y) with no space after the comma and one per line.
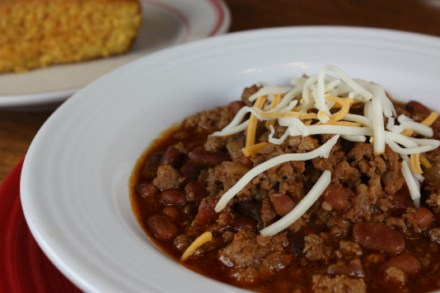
(75,178)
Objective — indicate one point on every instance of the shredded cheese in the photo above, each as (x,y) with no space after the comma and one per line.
(345,107)
(196,244)
(430,119)
(411,182)
(426,122)
(276,99)
(252,127)
(301,208)
(414,163)
(319,105)
(253,149)
(322,151)
(424,161)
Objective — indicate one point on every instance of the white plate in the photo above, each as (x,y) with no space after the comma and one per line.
(166,23)
(75,178)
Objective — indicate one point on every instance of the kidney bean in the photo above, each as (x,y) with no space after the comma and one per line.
(146,189)
(406,262)
(399,202)
(205,159)
(248,208)
(195,191)
(189,170)
(163,227)
(436,129)
(172,156)
(172,197)
(337,197)
(423,218)
(416,108)
(282,203)
(378,237)
(151,165)
(181,242)
(149,194)
(296,245)
(171,212)
(235,106)
(206,212)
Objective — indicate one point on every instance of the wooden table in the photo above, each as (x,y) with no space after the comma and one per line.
(17,128)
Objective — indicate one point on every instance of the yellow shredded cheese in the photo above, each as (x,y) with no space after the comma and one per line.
(278,115)
(202,239)
(430,119)
(276,99)
(424,161)
(253,149)
(414,163)
(344,103)
(319,105)
(252,127)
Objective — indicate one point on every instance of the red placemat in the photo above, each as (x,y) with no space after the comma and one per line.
(23,267)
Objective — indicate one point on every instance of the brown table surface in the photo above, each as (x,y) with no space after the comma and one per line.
(17,128)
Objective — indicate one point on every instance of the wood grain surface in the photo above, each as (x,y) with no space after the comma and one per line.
(17,128)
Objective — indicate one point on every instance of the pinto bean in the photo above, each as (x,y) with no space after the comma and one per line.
(378,237)
(235,106)
(172,197)
(406,262)
(172,156)
(205,159)
(423,218)
(337,197)
(195,191)
(415,108)
(282,203)
(163,227)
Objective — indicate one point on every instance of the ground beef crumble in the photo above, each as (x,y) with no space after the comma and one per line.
(254,258)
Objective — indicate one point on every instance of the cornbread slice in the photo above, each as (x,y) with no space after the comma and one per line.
(38,33)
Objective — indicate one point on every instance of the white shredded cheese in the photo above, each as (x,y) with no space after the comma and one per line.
(411,182)
(270,90)
(378,125)
(302,207)
(320,104)
(322,151)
